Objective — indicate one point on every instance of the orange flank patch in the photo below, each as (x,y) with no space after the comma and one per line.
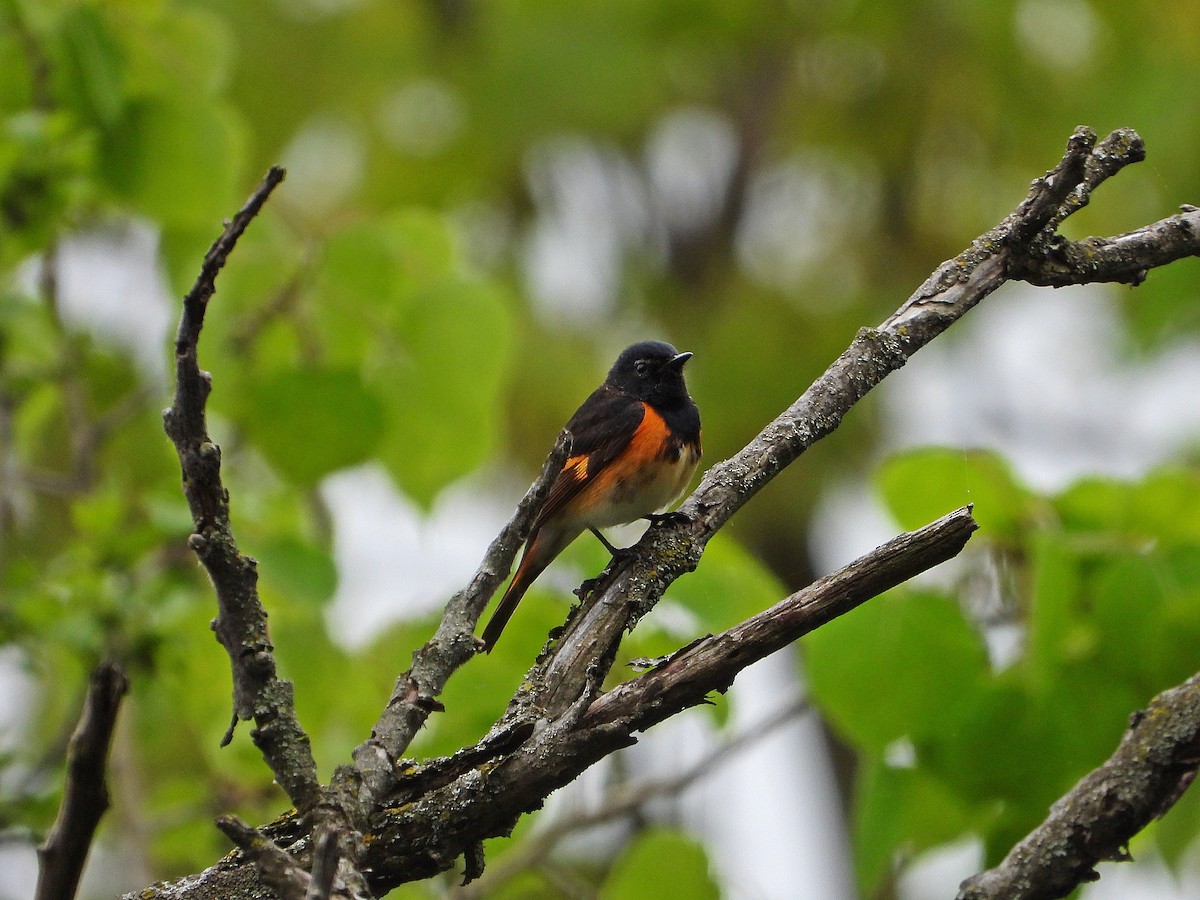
(648,476)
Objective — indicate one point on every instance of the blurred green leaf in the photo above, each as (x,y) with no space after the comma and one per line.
(904,665)
(660,863)
(1056,630)
(176,161)
(310,422)
(443,386)
(300,570)
(898,813)
(919,486)
(45,163)
(1163,506)
(90,65)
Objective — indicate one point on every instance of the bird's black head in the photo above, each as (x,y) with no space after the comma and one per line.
(651,371)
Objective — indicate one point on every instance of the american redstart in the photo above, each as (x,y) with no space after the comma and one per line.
(635,445)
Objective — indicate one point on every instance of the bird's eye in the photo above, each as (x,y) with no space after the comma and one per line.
(641,367)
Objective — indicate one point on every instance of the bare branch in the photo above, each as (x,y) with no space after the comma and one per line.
(241,622)
(62,855)
(472,800)
(1124,258)
(324,867)
(712,663)
(1121,148)
(1155,761)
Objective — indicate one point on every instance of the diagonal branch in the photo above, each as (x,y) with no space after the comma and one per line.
(241,622)
(1154,763)
(626,800)
(62,855)
(712,663)
(485,799)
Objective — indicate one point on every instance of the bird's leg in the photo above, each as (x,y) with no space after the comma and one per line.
(617,552)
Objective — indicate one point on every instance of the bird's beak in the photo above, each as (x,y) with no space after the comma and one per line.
(677,361)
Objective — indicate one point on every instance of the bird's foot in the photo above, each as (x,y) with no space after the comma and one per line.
(588,586)
(669,518)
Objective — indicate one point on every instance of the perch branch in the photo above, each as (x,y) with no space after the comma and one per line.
(626,800)
(241,622)
(62,855)
(1155,761)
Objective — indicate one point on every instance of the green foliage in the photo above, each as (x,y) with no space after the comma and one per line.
(893,638)
(1104,587)
(310,422)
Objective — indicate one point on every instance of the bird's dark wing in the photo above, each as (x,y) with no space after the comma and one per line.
(600,429)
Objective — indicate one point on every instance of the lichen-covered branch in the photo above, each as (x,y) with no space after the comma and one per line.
(472,798)
(62,855)
(274,864)
(241,622)
(1155,761)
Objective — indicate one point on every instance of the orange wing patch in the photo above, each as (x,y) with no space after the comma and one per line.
(578,466)
(573,476)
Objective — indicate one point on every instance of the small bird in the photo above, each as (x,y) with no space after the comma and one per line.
(635,446)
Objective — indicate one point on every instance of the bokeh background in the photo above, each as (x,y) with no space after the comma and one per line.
(485,202)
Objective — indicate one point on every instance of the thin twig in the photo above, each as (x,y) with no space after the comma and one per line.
(62,855)
(241,622)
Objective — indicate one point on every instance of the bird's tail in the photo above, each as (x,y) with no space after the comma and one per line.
(532,565)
